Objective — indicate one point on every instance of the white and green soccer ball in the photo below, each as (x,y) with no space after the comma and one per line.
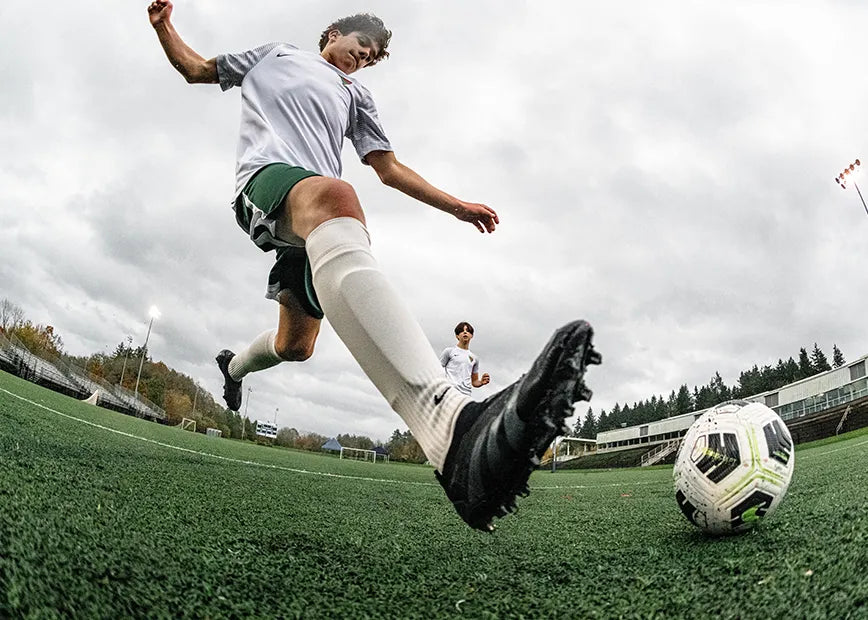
(733,467)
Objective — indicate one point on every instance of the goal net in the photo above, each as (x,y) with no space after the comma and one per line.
(188,425)
(359,454)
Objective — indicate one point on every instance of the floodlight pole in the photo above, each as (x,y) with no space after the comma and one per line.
(860,198)
(124,368)
(554,454)
(142,360)
(246,405)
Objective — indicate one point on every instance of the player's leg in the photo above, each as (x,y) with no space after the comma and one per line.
(368,315)
(288,283)
(292,341)
(483,452)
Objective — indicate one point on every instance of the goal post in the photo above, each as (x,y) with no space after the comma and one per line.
(188,425)
(359,454)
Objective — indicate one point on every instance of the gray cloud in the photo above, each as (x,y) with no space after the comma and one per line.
(664,171)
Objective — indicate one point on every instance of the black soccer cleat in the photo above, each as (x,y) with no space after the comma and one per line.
(498,442)
(231,387)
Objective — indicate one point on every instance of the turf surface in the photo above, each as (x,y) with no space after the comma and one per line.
(103,515)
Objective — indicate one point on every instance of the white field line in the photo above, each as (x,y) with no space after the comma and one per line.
(278,467)
(345,476)
(825,452)
(215,456)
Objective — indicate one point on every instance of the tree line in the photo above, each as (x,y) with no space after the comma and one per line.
(181,397)
(755,380)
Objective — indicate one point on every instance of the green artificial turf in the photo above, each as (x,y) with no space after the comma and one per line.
(124,517)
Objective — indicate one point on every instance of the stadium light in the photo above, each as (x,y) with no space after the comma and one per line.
(155,314)
(848,175)
(246,405)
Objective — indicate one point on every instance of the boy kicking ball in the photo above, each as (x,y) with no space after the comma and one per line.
(296,108)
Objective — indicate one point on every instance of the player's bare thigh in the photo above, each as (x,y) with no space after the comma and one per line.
(315,200)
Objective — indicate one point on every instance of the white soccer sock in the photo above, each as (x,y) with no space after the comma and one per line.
(258,356)
(382,335)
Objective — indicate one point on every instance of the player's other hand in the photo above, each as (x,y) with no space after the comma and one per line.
(159,11)
(485,378)
(481,216)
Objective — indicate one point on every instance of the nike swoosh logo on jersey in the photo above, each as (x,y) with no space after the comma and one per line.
(439,398)
(282,55)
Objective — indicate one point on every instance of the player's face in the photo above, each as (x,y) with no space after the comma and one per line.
(465,336)
(350,52)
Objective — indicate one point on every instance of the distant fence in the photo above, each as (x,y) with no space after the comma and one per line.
(72,380)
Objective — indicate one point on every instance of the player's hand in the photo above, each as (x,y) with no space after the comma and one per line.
(481,216)
(485,378)
(159,11)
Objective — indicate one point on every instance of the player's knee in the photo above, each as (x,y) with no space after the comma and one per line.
(293,350)
(339,199)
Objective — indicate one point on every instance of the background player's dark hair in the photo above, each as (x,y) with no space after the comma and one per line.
(369,24)
(460,327)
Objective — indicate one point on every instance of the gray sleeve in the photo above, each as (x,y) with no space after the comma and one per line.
(231,68)
(444,357)
(365,131)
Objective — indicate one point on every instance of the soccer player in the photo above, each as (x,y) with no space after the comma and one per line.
(461,364)
(296,108)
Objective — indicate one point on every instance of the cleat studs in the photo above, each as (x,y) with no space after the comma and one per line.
(593,357)
(534,460)
(585,394)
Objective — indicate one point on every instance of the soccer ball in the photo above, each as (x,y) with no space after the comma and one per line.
(733,467)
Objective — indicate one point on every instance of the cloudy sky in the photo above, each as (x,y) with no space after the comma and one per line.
(664,170)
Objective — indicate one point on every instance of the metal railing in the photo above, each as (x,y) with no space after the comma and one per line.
(819,405)
(660,452)
(72,379)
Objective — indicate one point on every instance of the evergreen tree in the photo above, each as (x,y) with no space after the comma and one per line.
(603,422)
(837,357)
(792,371)
(818,360)
(627,416)
(805,368)
(615,418)
(577,428)
(589,427)
(719,390)
(684,402)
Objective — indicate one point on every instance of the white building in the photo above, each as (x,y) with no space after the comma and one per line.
(796,400)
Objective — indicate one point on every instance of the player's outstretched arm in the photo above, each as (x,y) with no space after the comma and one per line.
(194,68)
(395,174)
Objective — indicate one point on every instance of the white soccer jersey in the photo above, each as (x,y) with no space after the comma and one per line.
(460,365)
(296,109)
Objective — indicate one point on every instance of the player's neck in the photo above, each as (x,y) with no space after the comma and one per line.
(463,345)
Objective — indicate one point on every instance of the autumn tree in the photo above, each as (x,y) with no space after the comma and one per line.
(39,340)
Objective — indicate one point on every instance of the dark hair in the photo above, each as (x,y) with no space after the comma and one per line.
(369,24)
(460,327)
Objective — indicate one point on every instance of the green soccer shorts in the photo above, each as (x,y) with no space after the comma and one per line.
(256,210)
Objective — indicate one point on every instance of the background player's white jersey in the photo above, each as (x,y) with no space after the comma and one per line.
(460,364)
